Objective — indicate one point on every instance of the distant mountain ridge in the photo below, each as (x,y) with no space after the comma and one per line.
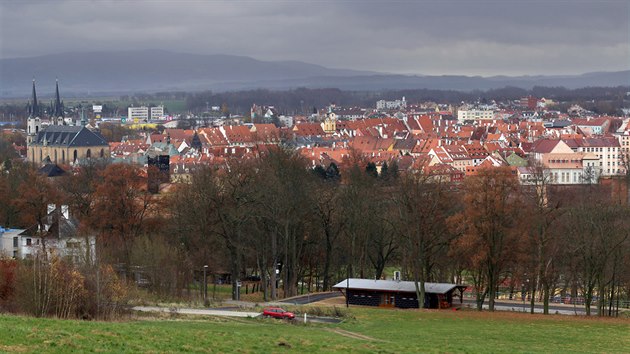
(160,70)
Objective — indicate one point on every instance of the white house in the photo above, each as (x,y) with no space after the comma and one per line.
(59,236)
(10,242)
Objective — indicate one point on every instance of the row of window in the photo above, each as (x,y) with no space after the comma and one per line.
(29,242)
(565,177)
(596,149)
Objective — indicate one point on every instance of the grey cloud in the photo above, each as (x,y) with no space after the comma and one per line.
(422,37)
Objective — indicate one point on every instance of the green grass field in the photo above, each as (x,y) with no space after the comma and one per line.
(371,330)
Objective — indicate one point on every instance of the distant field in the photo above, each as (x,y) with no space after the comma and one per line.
(372,330)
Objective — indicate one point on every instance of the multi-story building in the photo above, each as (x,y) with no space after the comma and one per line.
(474,114)
(563,168)
(607,150)
(138,114)
(157,113)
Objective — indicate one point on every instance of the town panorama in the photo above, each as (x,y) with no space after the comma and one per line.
(314,176)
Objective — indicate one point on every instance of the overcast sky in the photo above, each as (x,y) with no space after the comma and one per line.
(502,37)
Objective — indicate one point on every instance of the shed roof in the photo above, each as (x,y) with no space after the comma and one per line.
(393,285)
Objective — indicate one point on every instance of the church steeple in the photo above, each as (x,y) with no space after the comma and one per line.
(83,118)
(34,107)
(58,107)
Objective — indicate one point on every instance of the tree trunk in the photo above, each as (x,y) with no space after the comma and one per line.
(327,257)
(588,296)
(546,294)
(263,278)
(235,270)
(492,289)
(274,259)
(418,280)
(532,300)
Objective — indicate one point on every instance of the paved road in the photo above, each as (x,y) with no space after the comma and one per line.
(307,299)
(538,308)
(196,311)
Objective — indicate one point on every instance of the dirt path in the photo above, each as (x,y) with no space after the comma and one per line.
(354,335)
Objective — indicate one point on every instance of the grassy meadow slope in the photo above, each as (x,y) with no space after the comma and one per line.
(371,330)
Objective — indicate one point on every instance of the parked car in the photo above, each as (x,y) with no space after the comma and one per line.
(277,312)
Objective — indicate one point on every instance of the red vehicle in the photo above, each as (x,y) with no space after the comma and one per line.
(277,312)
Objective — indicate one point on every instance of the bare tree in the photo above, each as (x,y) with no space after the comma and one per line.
(542,213)
(422,207)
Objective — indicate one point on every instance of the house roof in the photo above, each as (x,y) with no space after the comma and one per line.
(238,134)
(559,161)
(457,152)
(588,122)
(393,285)
(52,170)
(213,136)
(69,136)
(544,146)
(55,225)
(309,129)
(405,144)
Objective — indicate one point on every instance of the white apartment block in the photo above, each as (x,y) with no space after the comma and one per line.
(137,114)
(157,113)
(475,114)
(609,153)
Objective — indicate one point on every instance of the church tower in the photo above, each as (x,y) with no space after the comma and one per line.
(330,122)
(33,123)
(58,114)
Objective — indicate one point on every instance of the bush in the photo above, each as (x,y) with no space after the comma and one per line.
(49,287)
(108,294)
(7,283)
(55,287)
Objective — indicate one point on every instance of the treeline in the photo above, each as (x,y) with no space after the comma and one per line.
(301,101)
(297,228)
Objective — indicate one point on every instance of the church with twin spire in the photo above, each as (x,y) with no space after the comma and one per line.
(56,140)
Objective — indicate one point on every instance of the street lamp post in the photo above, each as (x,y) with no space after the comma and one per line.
(525,292)
(205,285)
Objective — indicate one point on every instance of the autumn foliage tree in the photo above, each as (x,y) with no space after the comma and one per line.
(487,228)
(121,210)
